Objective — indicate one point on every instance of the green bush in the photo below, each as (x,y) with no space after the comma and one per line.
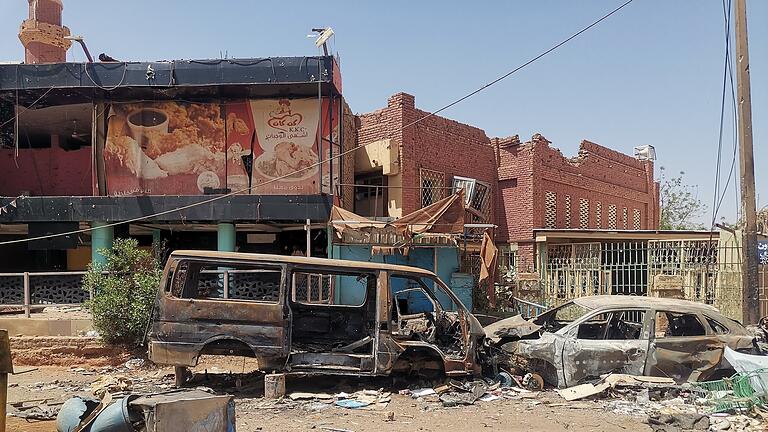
(123,297)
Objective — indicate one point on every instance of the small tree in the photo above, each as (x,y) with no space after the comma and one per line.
(679,204)
(123,297)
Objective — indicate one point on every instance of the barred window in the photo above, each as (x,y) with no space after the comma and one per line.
(567,211)
(636,219)
(612,216)
(599,215)
(550,209)
(432,186)
(583,213)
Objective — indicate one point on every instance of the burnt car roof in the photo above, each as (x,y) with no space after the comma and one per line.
(290,259)
(605,301)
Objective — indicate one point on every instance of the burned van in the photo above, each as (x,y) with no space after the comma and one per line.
(311,315)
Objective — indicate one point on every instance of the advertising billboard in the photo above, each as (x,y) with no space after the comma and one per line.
(270,146)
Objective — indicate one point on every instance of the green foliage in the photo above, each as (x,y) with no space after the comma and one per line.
(123,297)
(680,205)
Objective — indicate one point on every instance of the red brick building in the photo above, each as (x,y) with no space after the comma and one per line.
(518,186)
(407,167)
(598,189)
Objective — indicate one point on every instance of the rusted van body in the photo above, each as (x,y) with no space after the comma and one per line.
(311,315)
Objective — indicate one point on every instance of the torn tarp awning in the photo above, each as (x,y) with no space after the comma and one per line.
(443,217)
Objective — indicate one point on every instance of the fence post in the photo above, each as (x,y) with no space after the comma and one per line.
(27,296)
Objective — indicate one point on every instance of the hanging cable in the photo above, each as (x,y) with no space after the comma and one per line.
(341,154)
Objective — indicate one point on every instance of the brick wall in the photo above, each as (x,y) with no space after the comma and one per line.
(436,144)
(585,188)
(442,145)
(349,125)
(520,174)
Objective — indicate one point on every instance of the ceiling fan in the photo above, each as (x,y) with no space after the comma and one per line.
(79,136)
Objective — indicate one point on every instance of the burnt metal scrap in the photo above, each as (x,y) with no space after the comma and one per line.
(391,320)
(593,336)
(188,410)
(295,318)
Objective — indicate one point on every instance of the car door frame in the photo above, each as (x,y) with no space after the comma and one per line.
(331,362)
(576,355)
(688,347)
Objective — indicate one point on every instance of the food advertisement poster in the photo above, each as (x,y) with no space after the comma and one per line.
(179,148)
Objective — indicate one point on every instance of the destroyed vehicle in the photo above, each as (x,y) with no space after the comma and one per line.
(310,315)
(591,336)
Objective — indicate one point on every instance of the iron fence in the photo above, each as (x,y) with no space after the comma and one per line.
(42,288)
(706,271)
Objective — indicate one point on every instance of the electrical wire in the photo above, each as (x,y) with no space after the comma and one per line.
(122,79)
(338,156)
(727,78)
(715,195)
(26,108)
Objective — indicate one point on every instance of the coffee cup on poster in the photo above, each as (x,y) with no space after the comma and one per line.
(144,120)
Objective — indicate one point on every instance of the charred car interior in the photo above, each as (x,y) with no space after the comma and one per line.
(308,314)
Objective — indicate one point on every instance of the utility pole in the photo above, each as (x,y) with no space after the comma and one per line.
(750,305)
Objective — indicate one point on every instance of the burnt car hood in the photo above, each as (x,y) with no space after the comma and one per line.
(511,328)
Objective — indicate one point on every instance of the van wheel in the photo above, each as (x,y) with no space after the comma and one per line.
(181,374)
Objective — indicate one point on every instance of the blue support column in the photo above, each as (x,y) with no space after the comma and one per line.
(226,237)
(101,238)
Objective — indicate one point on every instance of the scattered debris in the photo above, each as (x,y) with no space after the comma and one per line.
(175,410)
(112,384)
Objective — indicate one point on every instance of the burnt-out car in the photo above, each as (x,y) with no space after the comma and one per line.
(311,315)
(591,336)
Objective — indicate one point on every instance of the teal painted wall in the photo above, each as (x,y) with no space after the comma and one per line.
(447,264)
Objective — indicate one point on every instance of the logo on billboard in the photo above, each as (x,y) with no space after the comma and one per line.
(283,118)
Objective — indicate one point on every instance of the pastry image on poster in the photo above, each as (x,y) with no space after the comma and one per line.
(286,154)
(183,148)
(165,148)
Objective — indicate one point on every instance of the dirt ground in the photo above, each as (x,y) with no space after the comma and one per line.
(544,412)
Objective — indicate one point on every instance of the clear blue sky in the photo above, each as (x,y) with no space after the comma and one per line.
(649,75)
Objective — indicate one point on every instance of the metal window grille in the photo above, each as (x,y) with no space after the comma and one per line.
(624,217)
(583,213)
(612,216)
(312,288)
(432,186)
(599,215)
(572,270)
(636,219)
(567,211)
(550,209)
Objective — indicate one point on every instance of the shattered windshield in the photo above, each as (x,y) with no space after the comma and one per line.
(562,316)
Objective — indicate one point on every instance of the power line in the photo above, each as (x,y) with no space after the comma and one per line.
(719,197)
(344,153)
(27,108)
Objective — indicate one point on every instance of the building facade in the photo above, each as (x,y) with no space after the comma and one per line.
(414,164)
(539,188)
(519,186)
(219,154)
